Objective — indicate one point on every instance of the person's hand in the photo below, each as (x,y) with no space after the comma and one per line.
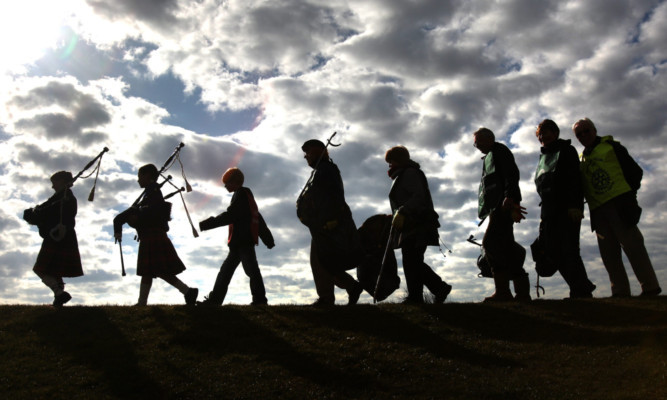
(575,214)
(518,213)
(118,237)
(331,225)
(398,221)
(508,204)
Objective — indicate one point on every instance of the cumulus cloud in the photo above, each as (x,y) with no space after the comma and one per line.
(424,74)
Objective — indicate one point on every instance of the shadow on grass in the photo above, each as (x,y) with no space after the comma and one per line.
(580,323)
(387,325)
(228,333)
(80,339)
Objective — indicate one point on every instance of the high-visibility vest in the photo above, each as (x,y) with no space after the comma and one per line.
(489,194)
(602,175)
(546,174)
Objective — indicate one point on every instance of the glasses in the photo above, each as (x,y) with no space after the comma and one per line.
(580,132)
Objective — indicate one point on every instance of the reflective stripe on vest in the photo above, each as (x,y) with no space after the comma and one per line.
(488,195)
(546,173)
(602,175)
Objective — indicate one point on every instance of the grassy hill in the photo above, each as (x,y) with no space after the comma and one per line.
(589,349)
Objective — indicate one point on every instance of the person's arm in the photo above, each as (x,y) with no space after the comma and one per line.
(235,211)
(570,182)
(632,172)
(265,234)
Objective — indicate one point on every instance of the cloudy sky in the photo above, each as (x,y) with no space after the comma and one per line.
(244,83)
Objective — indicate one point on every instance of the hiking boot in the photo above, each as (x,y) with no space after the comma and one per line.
(322,303)
(191,296)
(442,295)
(651,293)
(498,298)
(208,302)
(412,300)
(61,299)
(259,303)
(353,295)
(522,287)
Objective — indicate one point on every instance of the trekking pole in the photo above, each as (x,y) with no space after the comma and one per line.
(384,258)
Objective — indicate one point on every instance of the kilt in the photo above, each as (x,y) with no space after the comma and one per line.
(60,259)
(157,255)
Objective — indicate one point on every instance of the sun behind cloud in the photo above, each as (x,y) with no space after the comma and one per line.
(28,28)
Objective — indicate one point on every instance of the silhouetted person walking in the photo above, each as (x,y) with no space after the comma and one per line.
(335,246)
(500,200)
(415,223)
(246,225)
(558,182)
(611,179)
(157,256)
(59,255)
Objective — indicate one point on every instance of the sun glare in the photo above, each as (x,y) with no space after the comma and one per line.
(28,28)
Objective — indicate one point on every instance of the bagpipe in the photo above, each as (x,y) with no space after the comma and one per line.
(35,215)
(128,216)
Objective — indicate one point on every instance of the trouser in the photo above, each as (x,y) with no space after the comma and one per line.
(561,237)
(613,235)
(245,255)
(498,244)
(326,278)
(417,273)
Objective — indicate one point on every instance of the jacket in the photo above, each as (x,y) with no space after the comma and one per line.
(500,180)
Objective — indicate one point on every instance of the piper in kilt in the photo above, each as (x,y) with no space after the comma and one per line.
(157,256)
(59,256)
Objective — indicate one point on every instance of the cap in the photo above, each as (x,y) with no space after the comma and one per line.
(312,143)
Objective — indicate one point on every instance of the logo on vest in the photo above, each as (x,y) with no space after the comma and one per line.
(601,181)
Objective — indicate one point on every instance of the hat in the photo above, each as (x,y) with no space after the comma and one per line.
(312,143)
(65,176)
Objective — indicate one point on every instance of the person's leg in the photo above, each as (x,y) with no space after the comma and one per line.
(610,251)
(324,283)
(633,245)
(413,259)
(497,243)
(572,269)
(55,284)
(144,290)
(190,294)
(251,269)
(217,295)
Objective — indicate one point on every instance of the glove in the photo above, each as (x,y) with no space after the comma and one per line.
(398,221)
(575,214)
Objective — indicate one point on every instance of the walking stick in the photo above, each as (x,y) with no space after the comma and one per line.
(384,258)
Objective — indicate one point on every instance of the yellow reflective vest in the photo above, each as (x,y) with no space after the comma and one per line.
(602,174)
